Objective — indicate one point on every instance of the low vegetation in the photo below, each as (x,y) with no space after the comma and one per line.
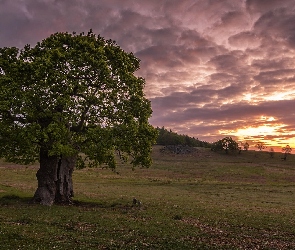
(202,200)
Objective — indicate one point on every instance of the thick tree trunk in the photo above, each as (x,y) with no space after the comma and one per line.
(54,177)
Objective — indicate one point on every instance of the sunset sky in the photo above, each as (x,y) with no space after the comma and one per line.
(213,68)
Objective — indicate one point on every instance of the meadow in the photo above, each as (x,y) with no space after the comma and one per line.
(204,200)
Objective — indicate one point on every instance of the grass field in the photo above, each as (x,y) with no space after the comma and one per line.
(204,200)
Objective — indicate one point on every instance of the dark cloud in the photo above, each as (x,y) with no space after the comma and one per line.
(275,76)
(277,25)
(211,67)
(228,62)
(245,39)
(268,65)
(262,6)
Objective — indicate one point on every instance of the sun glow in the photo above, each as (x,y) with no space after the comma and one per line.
(269,132)
(256,131)
(265,118)
(277,96)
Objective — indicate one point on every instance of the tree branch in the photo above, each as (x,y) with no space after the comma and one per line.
(81,123)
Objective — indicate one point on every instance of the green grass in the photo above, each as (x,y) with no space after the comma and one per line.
(202,201)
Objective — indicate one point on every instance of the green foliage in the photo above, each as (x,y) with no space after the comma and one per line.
(167,137)
(73,94)
(227,144)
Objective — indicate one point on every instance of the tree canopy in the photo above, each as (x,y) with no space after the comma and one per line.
(227,144)
(73,95)
(168,137)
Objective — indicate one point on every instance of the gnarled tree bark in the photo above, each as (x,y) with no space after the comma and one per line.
(54,177)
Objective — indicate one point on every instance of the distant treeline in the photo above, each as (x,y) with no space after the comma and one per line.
(167,137)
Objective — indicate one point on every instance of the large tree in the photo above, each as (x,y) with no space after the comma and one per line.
(227,144)
(71,99)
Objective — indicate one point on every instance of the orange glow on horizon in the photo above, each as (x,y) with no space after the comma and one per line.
(257,131)
(271,134)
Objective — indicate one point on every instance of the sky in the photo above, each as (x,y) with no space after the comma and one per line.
(213,68)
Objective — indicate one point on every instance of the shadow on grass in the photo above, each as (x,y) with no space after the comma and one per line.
(104,205)
(15,199)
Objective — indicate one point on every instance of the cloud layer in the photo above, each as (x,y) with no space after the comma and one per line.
(212,68)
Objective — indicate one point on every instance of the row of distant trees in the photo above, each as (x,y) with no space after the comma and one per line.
(226,144)
(168,137)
